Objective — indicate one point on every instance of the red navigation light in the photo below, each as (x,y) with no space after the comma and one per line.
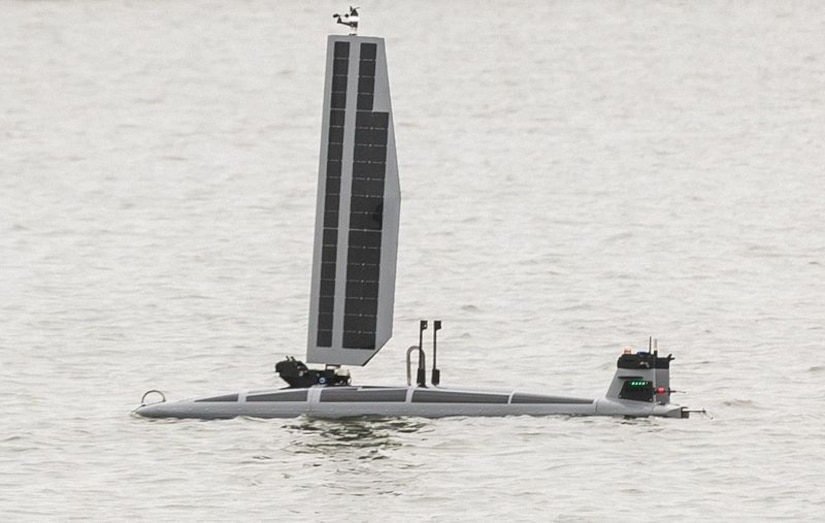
(660,390)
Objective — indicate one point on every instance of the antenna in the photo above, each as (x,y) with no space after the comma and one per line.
(350,19)
(421,380)
(436,379)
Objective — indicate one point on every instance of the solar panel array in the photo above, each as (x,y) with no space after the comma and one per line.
(366,211)
(354,269)
(332,199)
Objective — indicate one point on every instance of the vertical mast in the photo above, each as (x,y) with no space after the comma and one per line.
(357,213)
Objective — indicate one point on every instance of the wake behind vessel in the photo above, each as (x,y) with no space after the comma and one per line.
(353,285)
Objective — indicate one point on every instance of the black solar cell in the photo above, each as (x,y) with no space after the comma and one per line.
(324,338)
(362,272)
(366,84)
(364,102)
(340,66)
(370,136)
(367,187)
(369,288)
(334,168)
(338,100)
(333,185)
(336,135)
(328,271)
(369,172)
(331,202)
(366,68)
(326,304)
(367,220)
(339,83)
(329,254)
(335,150)
(369,51)
(337,118)
(341,50)
(363,255)
(327,288)
(330,218)
(359,341)
(370,153)
(365,238)
(365,204)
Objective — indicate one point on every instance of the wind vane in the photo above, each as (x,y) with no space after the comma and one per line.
(350,19)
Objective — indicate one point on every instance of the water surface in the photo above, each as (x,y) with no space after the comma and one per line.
(576,178)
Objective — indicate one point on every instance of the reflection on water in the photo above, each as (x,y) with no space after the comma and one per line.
(367,437)
(355,457)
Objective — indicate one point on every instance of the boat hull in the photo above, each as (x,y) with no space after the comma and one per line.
(427,402)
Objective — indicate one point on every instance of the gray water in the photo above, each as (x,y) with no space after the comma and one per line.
(577,176)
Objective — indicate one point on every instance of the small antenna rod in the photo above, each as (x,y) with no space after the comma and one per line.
(422,371)
(436,379)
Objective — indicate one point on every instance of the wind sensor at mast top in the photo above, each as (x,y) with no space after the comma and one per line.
(350,19)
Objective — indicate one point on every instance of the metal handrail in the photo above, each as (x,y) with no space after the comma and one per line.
(422,361)
(153,391)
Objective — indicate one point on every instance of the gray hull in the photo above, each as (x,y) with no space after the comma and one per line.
(343,402)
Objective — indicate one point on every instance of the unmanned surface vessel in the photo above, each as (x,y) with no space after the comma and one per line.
(353,285)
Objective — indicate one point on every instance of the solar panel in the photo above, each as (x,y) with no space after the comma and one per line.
(336,100)
(353,281)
